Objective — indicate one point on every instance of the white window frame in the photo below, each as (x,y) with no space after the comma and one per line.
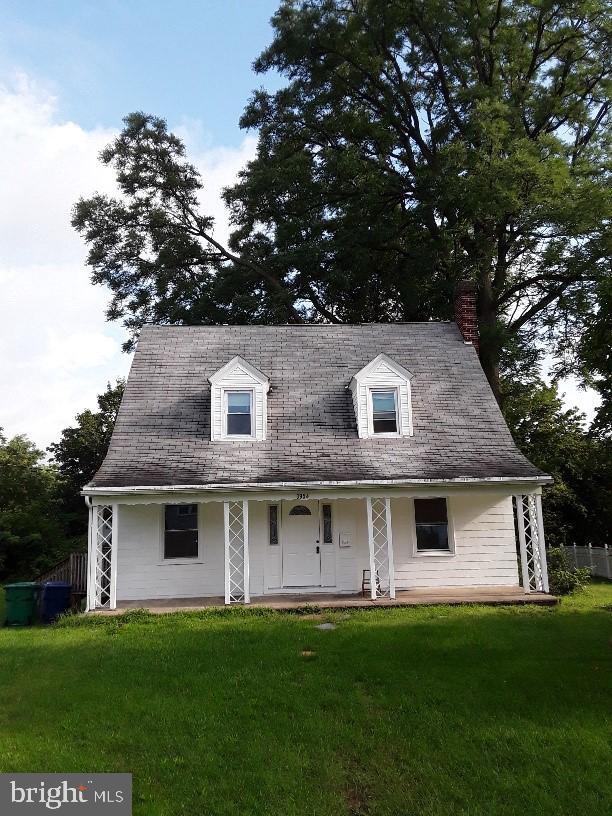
(196,559)
(398,420)
(451,532)
(224,404)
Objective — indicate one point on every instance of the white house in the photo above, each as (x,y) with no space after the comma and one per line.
(254,461)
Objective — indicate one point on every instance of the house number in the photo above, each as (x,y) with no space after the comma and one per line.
(303,495)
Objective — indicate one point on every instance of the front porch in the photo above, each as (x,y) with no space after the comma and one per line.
(284,552)
(449,596)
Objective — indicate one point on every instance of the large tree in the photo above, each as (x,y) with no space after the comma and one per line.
(414,144)
(80,452)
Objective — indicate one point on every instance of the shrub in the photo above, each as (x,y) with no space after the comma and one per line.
(563,578)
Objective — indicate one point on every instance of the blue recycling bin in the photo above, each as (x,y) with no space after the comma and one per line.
(55,600)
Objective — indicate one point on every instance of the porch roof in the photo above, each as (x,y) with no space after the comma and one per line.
(162,434)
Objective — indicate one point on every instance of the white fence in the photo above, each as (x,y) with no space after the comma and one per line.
(599,559)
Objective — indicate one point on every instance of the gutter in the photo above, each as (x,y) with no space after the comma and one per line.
(259,486)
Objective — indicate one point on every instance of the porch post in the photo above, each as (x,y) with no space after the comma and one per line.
(91,559)
(380,543)
(371,549)
(226,559)
(390,548)
(541,541)
(113,567)
(520,521)
(236,527)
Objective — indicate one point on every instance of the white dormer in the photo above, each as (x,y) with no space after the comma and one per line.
(381,397)
(238,402)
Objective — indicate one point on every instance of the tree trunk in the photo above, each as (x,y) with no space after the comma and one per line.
(489,334)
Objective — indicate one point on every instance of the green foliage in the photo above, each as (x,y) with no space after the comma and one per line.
(577,507)
(31,532)
(562,577)
(80,452)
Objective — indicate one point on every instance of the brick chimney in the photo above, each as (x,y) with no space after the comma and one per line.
(466,315)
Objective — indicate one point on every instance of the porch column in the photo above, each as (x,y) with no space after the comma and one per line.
(236,524)
(380,543)
(102,557)
(531,542)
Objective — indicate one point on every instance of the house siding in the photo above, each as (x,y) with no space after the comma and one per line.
(483,525)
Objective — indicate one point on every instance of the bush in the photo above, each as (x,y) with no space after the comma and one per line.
(563,578)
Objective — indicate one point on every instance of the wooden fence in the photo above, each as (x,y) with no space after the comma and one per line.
(72,569)
(599,559)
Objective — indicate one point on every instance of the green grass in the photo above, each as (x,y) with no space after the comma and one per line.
(431,711)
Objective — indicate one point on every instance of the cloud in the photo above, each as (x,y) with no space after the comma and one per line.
(57,352)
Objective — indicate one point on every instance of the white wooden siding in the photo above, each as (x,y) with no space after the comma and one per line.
(484,555)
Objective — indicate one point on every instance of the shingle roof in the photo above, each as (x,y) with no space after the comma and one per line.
(162,434)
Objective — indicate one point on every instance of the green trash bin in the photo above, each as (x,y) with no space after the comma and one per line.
(22,603)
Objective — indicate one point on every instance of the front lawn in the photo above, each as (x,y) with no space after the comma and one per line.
(431,711)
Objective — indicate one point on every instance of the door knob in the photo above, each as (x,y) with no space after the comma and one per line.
(318,550)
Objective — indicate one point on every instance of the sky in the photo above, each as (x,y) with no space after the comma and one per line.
(69,71)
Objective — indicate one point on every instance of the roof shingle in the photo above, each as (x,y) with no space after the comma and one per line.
(162,434)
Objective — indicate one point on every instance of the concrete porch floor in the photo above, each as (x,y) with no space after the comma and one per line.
(454,596)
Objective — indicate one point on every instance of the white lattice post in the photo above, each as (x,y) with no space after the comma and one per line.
(91,559)
(541,542)
(520,521)
(227,568)
(246,578)
(390,558)
(236,517)
(371,549)
(607,559)
(114,545)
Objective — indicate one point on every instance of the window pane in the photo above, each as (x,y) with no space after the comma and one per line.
(432,536)
(385,424)
(431,519)
(383,401)
(239,424)
(430,511)
(327,524)
(239,402)
(273,523)
(181,517)
(181,544)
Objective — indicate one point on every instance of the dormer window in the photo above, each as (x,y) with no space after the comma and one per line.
(384,411)
(238,402)
(239,412)
(382,399)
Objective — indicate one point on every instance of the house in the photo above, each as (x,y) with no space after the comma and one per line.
(254,461)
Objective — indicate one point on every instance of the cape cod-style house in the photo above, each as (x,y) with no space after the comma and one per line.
(255,461)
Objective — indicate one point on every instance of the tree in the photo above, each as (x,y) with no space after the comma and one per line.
(578,505)
(415,143)
(81,451)
(31,532)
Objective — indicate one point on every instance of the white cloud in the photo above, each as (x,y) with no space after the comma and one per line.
(56,351)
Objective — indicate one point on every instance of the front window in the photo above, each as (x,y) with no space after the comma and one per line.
(384,411)
(181,531)
(239,410)
(431,519)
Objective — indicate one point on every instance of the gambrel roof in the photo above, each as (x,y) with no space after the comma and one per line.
(162,434)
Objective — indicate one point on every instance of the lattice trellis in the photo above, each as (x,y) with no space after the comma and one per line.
(236,553)
(103,555)
(531,542)
(381,548)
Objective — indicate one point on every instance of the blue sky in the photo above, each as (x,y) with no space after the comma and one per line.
(189,59)
(69,71)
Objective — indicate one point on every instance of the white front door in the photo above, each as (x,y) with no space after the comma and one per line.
(301,546)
